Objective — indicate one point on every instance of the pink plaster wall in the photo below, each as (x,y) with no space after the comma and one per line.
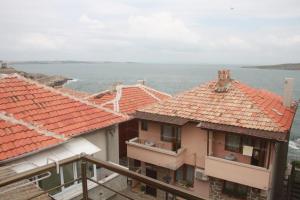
(192,138)
(219,149)
(195,141)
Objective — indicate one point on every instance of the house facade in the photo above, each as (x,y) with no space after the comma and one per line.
(126,99)
(40,125)
(221,140)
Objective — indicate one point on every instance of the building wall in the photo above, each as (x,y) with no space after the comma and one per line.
(192,138)
(195,141)
(219,149)
(108,141)
(127,131)
(98,138)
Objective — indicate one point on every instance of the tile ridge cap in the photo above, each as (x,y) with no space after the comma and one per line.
(38,128)
(149,93)
(150,88)
(70,96)
(278,125)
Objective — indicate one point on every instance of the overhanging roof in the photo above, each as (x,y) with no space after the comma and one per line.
(245,131)
(73,147)
(161,118)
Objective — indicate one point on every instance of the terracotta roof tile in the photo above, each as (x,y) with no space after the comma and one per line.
(17,139)
(132,97)
(240,106)
(38,104)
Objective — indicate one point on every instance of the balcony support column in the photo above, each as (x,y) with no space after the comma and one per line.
(84,180)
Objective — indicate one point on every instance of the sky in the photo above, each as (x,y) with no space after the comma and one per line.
(156,31)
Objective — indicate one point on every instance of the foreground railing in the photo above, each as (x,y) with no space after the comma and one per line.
(84,159)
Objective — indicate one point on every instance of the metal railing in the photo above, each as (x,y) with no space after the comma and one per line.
(171,189)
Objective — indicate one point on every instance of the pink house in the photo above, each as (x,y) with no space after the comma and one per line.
(220,140)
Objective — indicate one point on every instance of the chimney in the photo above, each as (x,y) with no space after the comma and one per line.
(288,92)
(114,86)
(141,82)
(223,81)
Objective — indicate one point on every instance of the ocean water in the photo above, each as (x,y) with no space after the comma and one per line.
(171,78)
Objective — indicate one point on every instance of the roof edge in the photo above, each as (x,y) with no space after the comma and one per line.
(279,136)
(161,118)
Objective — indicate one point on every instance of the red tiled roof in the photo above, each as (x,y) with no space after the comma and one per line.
(75,93)
(52,110)
(240,106)
(132,97)
(17,139)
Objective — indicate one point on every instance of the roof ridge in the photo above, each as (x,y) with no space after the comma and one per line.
(97,93)
(255,103)
(150,88)
(149,93)
(10,118)
(69,96)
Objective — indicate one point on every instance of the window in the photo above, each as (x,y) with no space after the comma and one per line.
(185,175)
(51,182)
(235,189)
(68,173)
(233,142)
(144,125)
(171,134)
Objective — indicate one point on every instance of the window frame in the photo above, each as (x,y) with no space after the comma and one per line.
(235,192)
(231,148)
(184,173)
(144,125)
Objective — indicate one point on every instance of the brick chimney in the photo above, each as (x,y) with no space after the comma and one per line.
(288,92)
(223,81)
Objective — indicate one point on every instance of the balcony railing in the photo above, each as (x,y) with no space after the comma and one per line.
(84,159)
(155,154)
(245,174)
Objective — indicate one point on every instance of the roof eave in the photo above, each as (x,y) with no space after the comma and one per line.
(271,135)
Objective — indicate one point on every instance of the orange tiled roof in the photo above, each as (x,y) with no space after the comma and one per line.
(75,93)
(129,98)
(241,106)
(54,111)
(17,139)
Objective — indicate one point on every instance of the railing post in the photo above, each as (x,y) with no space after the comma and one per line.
(84,180)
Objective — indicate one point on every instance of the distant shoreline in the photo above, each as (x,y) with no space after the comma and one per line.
(292,66)
(62,62)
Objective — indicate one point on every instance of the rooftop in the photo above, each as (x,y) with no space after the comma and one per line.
(34,116)
(228,102)
(128,98)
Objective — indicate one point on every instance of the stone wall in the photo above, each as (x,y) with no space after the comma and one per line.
(216,187)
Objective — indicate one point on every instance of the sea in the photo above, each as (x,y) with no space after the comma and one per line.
(171,78)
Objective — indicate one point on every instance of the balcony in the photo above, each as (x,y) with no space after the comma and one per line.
(155,153)
(22,185)
(241,173)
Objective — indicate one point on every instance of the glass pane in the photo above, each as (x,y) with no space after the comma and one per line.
(233,142)
(68,174)
(179,174)
(51,182)
(190,174)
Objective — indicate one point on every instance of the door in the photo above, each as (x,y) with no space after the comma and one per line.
(152,174)
(258,155)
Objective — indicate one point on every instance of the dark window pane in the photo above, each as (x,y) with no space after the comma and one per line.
(51,182)
(144,125)
(233,142)
(68,174)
